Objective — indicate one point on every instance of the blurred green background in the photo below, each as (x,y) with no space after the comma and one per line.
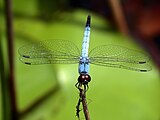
(114,94)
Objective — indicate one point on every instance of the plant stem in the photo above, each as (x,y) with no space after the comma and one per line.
(4,86)
(11,82)
(84,103)
(82,99)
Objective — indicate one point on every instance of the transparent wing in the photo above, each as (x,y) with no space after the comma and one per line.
(129,66)
(50,52)
(119,57)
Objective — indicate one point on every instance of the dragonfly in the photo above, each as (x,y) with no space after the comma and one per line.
(66,52)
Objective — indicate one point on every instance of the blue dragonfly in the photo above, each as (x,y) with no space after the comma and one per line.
(66,52)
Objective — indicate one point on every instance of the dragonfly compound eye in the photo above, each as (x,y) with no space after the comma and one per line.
(81,78)
(84,78)
(88,78)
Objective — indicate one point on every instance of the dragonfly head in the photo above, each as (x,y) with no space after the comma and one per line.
(84,78)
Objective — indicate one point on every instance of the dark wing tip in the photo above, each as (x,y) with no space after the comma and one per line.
(27,63)
(143,70)
(142,62)
(26,56)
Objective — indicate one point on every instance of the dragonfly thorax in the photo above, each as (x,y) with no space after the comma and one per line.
(84,60)
(83,65)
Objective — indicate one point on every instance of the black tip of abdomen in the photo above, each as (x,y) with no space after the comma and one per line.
(88,21)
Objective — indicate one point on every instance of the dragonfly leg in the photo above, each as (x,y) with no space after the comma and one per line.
(86,87)
(78,110)
(78,85)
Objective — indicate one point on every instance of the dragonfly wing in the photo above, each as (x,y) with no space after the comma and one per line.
(119,57)
(50,52)
(124,65)
(116,53)
(39,61)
